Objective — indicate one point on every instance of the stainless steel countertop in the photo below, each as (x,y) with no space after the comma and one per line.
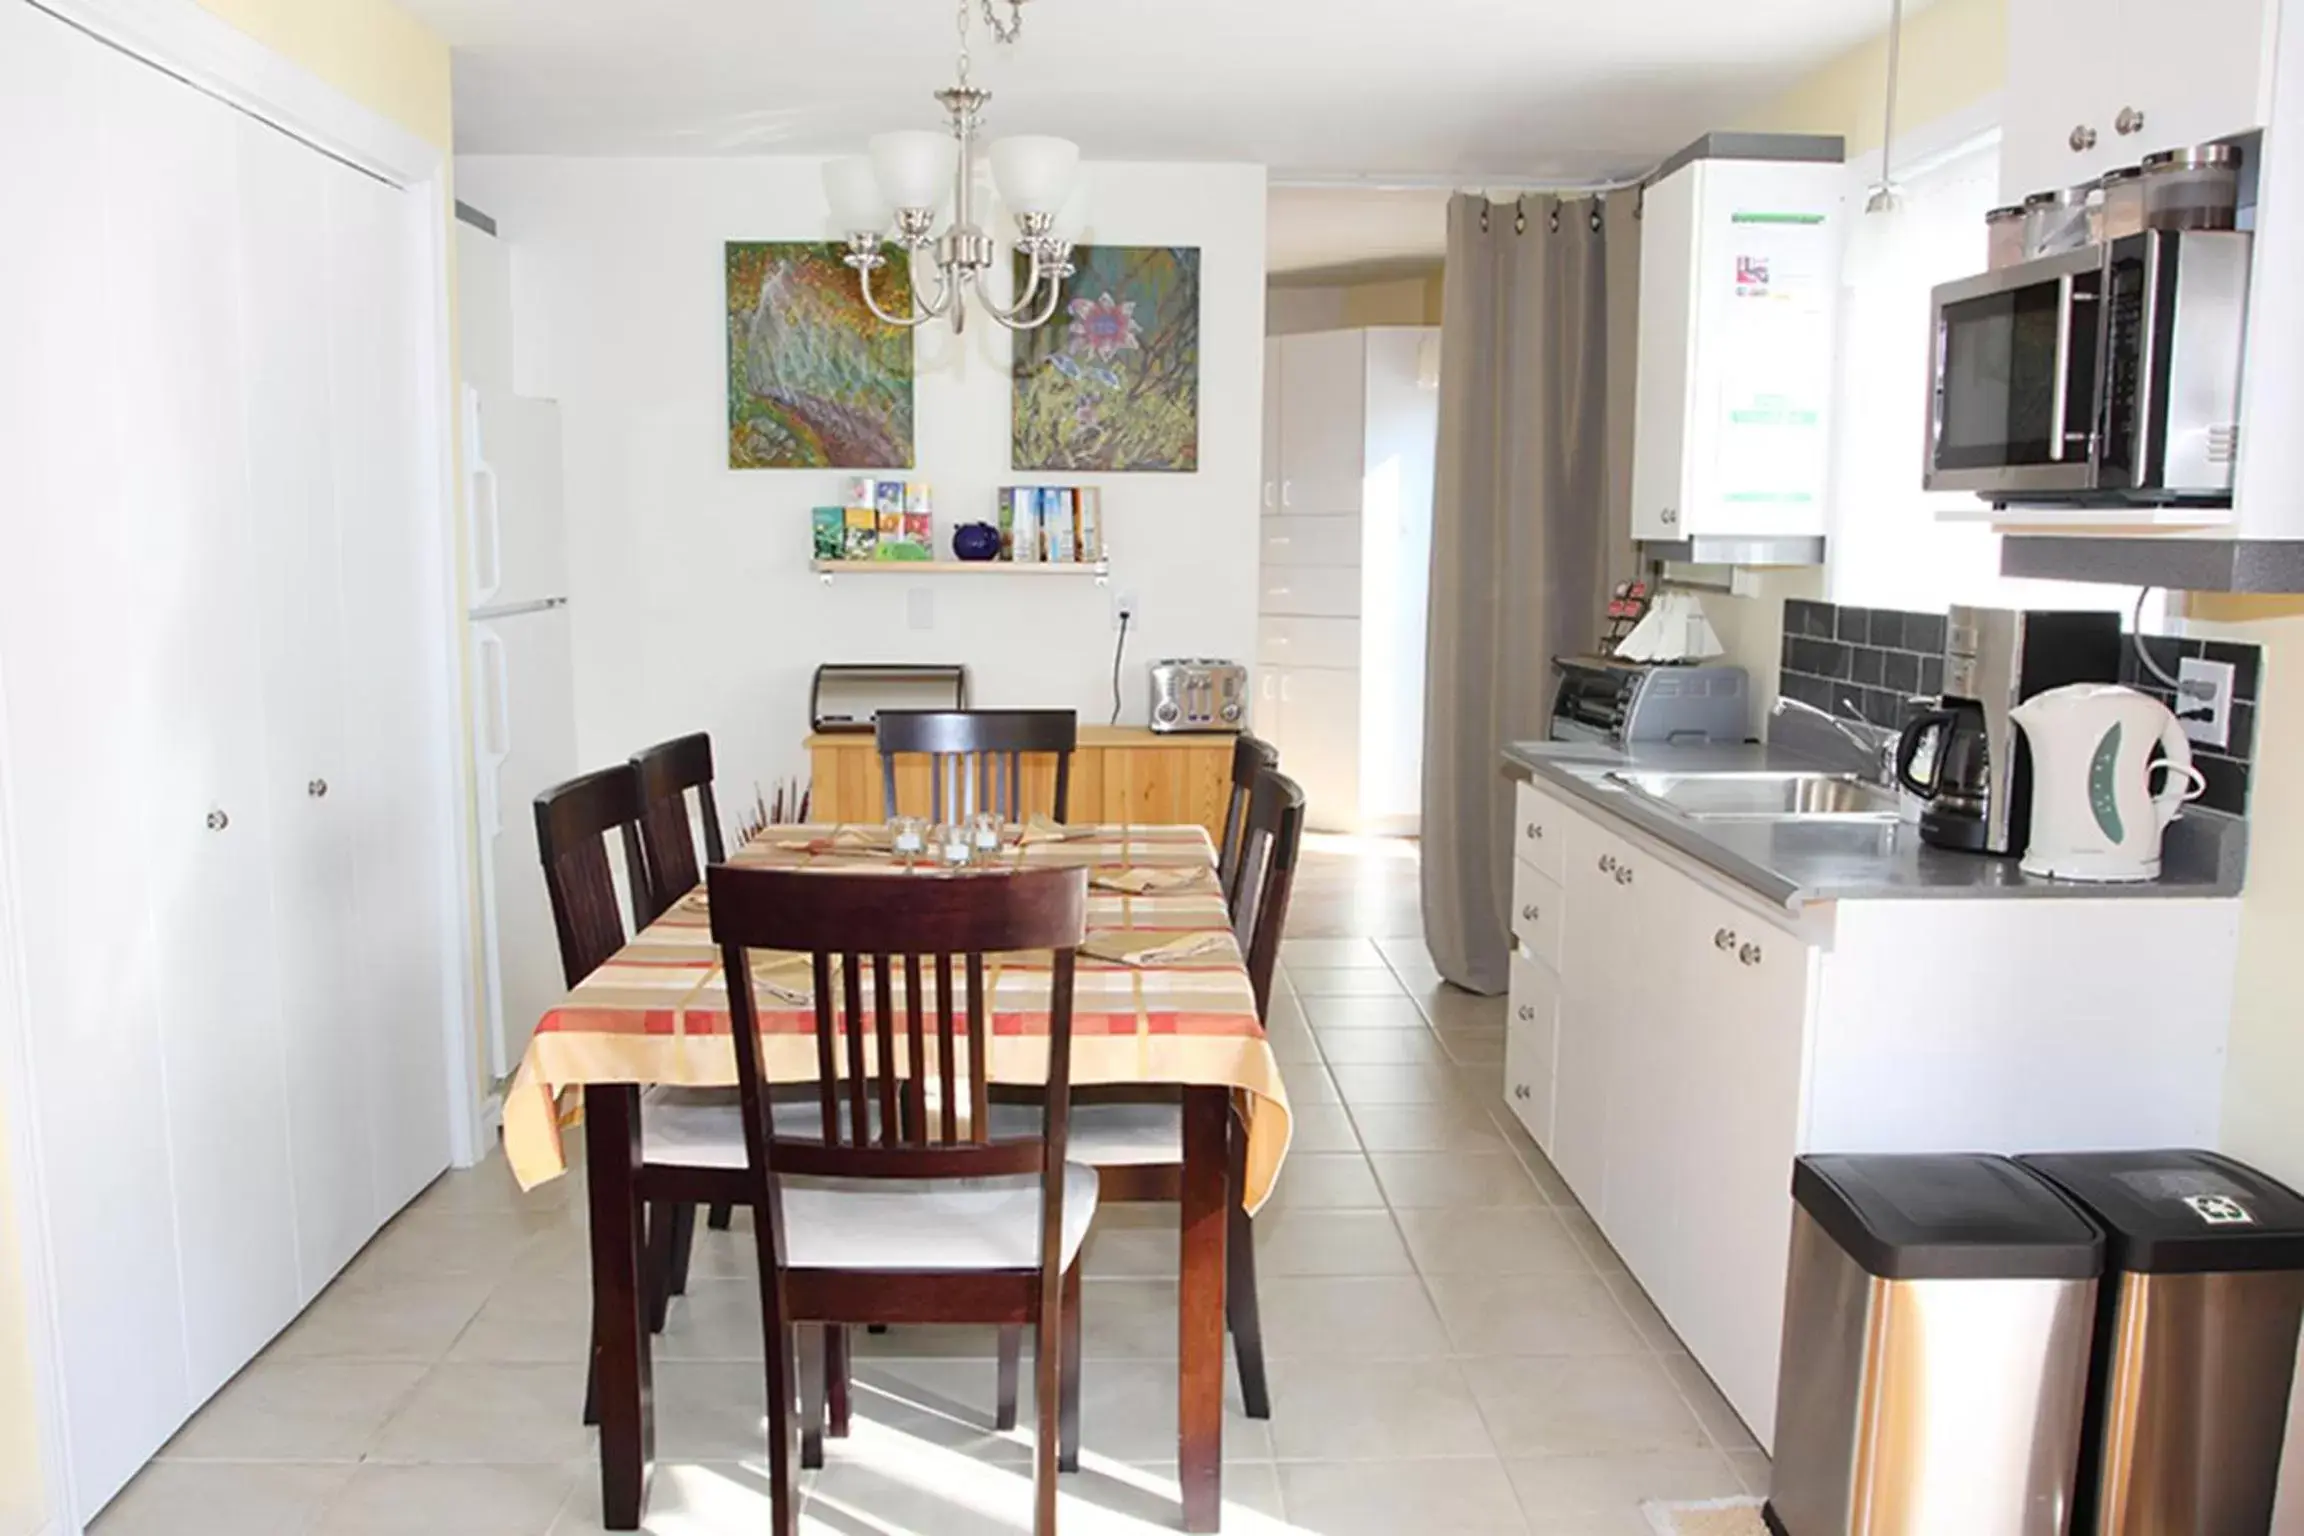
(2203,855)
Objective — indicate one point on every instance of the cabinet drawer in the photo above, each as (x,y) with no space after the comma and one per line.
(1310,591)
(1536,913)
(1540,835)
(1285,641)
(1317,541)
(1531,1035)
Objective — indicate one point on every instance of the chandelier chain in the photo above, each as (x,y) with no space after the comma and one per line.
(961,21)
(1013,28)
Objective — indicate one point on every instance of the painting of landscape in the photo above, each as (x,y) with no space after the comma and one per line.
(815,380)
(1113,381)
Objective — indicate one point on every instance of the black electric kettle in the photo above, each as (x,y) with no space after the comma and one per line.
(1958,787)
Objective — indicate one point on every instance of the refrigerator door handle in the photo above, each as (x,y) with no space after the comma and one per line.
(488,525)
(495,723)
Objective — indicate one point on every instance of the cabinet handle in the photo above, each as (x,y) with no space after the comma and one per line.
(2129,121)
(1623,874)
(218,821)
(1529,911)
(1527,1013)
(1749,954)
(1287,493)
(1607,863)
(2083,139)
(317,789)
(1724,939)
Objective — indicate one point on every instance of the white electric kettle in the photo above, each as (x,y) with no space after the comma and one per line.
(2094,816)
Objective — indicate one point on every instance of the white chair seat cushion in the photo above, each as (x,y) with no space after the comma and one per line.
(873,1224)
(937,1225)
(1105,1135)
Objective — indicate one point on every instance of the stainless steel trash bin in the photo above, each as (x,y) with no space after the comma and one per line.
(2195,1340)
(1935,1361)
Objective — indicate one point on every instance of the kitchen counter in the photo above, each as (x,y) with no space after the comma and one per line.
(1795,864)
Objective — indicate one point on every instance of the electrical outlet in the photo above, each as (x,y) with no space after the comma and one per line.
(2204,700)
(1123,607)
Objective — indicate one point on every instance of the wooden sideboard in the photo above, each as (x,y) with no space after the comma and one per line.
(1119,773)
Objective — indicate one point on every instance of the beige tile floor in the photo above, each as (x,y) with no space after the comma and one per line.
(1454,1350)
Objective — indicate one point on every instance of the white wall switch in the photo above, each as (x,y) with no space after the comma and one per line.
(920,607)
(2204,700)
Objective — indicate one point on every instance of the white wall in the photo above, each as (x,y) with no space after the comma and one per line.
(693,604)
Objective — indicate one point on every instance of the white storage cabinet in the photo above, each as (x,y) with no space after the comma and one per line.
(2095,84)
(1350,425)
(1739,287)
(224,724)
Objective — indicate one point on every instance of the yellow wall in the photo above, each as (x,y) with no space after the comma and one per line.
(371,50)
(1955,52)
(377,55)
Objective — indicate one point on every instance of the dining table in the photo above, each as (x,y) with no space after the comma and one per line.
(657,1014)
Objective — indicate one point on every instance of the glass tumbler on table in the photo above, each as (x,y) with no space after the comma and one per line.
(953,846)
(907,836)
(984,832)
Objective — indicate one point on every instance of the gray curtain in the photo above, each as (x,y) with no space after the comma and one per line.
(1530,528)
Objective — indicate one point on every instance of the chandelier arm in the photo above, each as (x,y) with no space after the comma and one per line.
(921,314)
(1026,296)
(1047,309)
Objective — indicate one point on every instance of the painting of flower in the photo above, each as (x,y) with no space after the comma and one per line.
(815,379)
(1112,382)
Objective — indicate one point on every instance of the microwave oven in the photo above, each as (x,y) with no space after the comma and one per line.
(2108,375)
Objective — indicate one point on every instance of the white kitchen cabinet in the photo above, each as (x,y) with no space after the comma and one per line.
(1739,284)
(1531,1037)
(227,819)
(2094,84)
(1701,1039)
(1347,536)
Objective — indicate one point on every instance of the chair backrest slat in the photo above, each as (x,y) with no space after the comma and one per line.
(976,757)
(1271,839)
(859,918)
(572,823)
(1250,757)
(667,772)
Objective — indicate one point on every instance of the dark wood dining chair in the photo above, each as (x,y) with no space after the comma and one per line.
(668,772)
(898,1210)
(976,757)
(1250,757)
(1135,1141)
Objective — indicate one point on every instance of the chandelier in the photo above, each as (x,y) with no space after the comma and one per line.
(904,177)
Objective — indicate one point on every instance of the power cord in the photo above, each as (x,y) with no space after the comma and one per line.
(1119,649)
(2144,656)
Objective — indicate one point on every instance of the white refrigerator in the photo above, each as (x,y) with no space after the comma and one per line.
(524,695)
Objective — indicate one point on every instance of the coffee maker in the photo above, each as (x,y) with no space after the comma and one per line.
(1979,781)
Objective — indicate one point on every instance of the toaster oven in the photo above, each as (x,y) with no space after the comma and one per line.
(1199,694)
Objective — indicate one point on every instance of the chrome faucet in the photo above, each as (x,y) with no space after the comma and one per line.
(1876,742)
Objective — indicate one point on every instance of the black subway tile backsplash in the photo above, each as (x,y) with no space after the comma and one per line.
(1873,661)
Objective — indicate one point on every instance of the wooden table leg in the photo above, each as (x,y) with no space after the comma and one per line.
(1200,1343)
(621,1343)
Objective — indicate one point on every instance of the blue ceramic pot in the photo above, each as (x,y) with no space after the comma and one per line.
(976,541)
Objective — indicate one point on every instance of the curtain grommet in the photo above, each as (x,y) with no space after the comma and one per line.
(1484,218)
(1553,221)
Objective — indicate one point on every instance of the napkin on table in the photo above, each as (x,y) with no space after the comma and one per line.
(1145,946)
(1137,880)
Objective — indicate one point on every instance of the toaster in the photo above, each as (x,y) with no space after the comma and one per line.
(1199,694)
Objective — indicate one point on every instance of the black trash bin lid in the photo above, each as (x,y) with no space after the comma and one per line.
(1947,1216)
(2176,1212)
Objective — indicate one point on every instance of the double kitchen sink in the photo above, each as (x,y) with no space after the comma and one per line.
(1771,795)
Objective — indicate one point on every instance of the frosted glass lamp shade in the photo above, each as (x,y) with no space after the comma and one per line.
(914,168)
(1034,172)
(854,193)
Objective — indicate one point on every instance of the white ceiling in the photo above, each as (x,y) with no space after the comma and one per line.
(1529,90)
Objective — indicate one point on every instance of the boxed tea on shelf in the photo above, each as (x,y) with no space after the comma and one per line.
(1056,510)
(863,529)
(831,525)
(1088,523)
(1008,500)
(888,496)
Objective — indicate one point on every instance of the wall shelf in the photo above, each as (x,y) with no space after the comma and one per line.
(827,569)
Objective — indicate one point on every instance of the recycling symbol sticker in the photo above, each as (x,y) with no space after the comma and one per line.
(2220,1210)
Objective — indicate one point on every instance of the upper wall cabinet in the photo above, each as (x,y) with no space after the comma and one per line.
(1739,279)
(2094,84)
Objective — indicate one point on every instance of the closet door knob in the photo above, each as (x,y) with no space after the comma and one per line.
(1527,1014)
(2129,121)
(1536,831)
(1724,939)
(1607,863)
(218,821)
(1623,874)
(1749,954)
(1530,911)
(2083,139)
(317,789)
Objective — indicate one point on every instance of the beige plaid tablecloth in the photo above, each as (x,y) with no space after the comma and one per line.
(658,1012)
